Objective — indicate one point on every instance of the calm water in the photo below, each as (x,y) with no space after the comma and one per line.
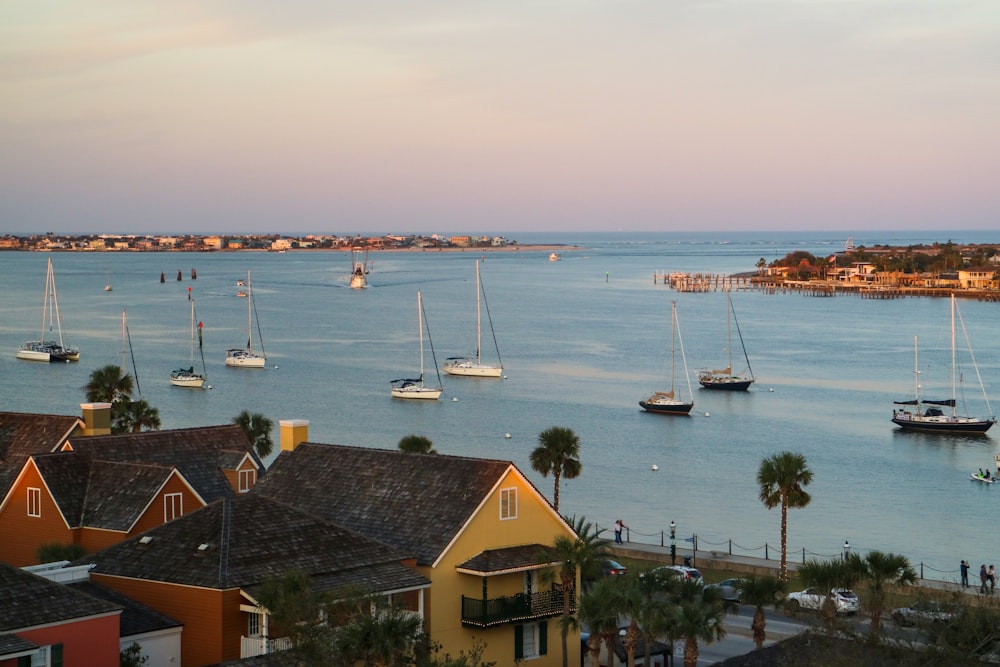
(582,339)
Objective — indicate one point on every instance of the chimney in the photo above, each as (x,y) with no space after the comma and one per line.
(293,432)
(96,418)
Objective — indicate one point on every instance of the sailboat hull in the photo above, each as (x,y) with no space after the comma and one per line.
(941,423)
(244,359)
(469,368)
(417,392)
(186,379)
(724,383)
(46,351)
(666,406)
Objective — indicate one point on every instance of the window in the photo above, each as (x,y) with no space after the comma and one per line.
(508,503)
(253,625)
(46,656)
(247,479)
(530,640)
(34,501)
(173,506)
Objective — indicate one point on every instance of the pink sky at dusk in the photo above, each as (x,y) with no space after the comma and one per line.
(402,116)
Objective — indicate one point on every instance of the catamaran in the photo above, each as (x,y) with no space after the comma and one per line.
(49,350)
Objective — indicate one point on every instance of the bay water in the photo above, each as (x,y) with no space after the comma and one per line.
(582,339)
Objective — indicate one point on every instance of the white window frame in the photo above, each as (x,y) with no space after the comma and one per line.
(34,501)
(508,503)
(253,625)
(173,506)
(247,479)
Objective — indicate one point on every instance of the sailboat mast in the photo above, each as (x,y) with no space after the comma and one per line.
(479,329)
(916,373)
(953,387)
(420,333)
(729,333)
(124,338)
(249,314)
(673,341)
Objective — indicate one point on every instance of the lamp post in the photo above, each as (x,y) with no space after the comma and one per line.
(673,543)
(847,549)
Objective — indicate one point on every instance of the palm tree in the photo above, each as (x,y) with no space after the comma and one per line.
(700,614)
(597,610)
(135,416)
(558,453)
(781,479)
(108,385)
(417,444)
(578,554)
(258,429)
(760,590)
(380,634)
(880,570)
(655,614)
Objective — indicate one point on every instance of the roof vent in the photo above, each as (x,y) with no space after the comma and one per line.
(203,546)
(145,539)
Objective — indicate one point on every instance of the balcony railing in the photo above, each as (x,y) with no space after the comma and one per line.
(254,646)
(480,613)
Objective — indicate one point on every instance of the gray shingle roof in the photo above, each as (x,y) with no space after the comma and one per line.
(415,502)
(200,454)
(27,600)
(22,435)
(510,559)
(11,644)
(250,539)
(136,617)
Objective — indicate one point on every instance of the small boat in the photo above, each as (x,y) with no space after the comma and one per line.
(981,477)
(414,388)
(723,378)
(941,416)
(554,257)
(247,357)
(187,377)
(668,402)
(49,350)
(469,367)
(359,268)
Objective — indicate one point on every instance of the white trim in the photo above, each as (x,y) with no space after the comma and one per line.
(177,511)
(33,499)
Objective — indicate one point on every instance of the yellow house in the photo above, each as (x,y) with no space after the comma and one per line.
(478,528)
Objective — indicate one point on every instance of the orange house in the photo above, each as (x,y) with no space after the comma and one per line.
(100,490)
(205,568)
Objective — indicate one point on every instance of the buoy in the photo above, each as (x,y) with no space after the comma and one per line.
(162,279)
(655,467)
(454,399)
(770,388)
(504,377)
(507,435)
(707,415)
(179,274)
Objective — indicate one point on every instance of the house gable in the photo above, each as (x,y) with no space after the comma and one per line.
(30,516)
(23,434)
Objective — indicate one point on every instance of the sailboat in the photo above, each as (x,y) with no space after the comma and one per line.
(724,378)
(475,367)
(187,377)
(49,350)
(247,357)
(415,387)
(359,268)
(668,402)
(941,416)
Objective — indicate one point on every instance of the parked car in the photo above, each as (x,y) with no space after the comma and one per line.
(680,571)
(923,613)
(613,567)
(730,589)
(846,601)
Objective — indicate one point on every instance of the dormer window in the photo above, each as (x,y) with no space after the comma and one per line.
(247,479)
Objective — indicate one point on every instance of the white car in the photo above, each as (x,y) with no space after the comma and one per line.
(846,601)
(682,572)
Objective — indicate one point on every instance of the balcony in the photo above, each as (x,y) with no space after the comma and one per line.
(254,646)
(479,613)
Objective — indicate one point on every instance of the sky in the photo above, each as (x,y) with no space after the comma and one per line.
(406,116)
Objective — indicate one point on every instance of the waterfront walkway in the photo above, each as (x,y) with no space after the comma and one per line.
(716,560)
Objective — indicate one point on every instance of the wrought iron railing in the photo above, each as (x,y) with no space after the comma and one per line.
(480,613)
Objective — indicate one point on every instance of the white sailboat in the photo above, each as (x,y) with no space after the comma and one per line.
(921,414)
(415,387)
(724,378)
(669,402)
(187,377)
(359,268)
(49,350)
(469,367)
(247,357)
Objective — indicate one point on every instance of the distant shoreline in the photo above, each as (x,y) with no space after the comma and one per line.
(525,247)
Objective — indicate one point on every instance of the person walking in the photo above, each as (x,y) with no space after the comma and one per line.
(992,576)
(964,570)
(619,527)
(984,577)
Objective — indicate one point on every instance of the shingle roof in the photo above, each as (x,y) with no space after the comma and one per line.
(22,435)
(11,644)
(136,617)
(415,502)
(249,539)
(510,559)
(200,454)
(28,600)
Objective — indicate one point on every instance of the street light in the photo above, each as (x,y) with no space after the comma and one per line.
(847,549)
(673,543)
